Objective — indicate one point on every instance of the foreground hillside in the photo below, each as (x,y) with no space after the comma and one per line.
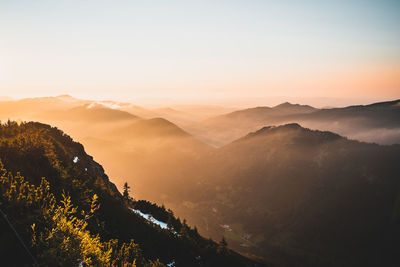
(76,216)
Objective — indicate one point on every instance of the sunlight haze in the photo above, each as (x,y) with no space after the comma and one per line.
(200,50)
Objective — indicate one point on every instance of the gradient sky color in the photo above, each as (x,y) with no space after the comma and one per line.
(200,49)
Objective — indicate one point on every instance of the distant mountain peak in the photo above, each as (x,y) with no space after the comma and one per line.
(281,127)
(296,129)
(288,105)
(64,96)
(270,129)
(290,126)
(67,98)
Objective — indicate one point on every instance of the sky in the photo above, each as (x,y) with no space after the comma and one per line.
(126,50)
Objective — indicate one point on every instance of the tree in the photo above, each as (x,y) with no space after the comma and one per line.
(127,189)
(170,222)
(223,246)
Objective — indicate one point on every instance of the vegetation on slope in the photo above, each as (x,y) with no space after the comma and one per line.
(302,197)
(77,216)
(59,234)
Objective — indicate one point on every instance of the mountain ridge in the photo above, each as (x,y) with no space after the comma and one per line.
(301,197)
(377,122)
(38,150)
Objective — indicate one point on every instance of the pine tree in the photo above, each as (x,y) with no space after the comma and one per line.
(223,246)
(170,222)
(125,194)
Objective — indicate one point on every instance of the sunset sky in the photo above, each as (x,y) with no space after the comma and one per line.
(200,49)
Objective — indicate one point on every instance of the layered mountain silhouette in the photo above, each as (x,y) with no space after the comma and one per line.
(287,194)
(89,113)
(29,107)
(302,198)
(377,122)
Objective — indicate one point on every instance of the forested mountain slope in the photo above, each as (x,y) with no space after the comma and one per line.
(75,215)
(302,197)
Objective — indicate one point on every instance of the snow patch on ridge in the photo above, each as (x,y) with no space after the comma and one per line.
(150,218)
(111,105)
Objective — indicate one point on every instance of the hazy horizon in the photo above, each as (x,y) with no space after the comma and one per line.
(243,102)
(201,51)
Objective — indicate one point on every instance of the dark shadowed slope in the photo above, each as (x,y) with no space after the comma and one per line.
(302,197)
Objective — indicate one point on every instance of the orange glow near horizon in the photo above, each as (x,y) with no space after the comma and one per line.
(200,51)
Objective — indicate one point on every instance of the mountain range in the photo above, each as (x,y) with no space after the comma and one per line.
(292,185)
(300,197)
(378,122)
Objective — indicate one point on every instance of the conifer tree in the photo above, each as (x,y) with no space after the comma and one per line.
(223,246)
(127,188)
